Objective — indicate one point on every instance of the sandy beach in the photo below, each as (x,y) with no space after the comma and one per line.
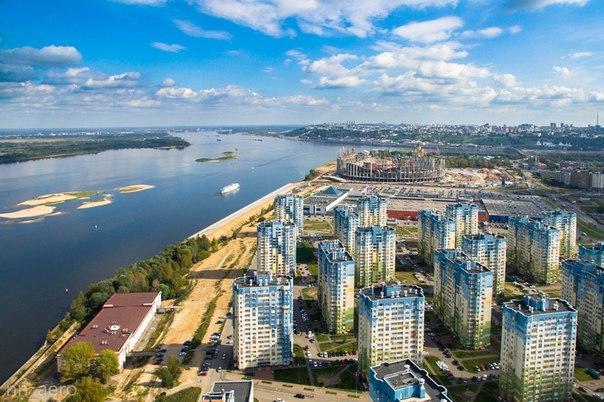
(37,211)
(97,203)
(134,188)
(57,198)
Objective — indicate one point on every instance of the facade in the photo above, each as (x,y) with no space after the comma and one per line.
(491,251)
(592,253)
(290,208)
(404,380)
(537,349)
(435,231)
(583,287)
(325,201)
(263,323)
(276,247)
(391,324)
(372,211)
(346,222)
(387,166)
(375,253)
(534,249)
(336,286)
(119,325)
(463,293)
(465,217)
(566,222)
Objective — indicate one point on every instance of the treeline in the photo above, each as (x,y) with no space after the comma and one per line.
(51,147)
(471,161)
(164,272)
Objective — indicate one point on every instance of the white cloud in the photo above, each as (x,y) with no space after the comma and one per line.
(507,80)
(176,93)
(580,55)
(142,102)
(488,33)
(541,4)
(168,82)
(353,17)
(514,29)
(349,81)
(563,72)
(429,31)
(455,71)
(155,3)
(124,80)
(172,48)
(188,28)
(47,56)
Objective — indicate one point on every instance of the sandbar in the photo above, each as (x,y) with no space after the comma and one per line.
(97,203)
(58,198)
(135,188)
(40,210)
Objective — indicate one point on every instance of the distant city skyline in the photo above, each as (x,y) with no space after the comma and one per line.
(125,63)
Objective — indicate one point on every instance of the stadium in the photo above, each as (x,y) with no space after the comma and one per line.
(389,166)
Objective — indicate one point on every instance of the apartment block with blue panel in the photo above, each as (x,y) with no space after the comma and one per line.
(592,253)
(403,381)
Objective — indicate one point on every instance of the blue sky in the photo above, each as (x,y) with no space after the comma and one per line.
(92,63)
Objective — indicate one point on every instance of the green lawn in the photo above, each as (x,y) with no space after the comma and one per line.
(313,268)
(305,252)
(462,353)
(488,392)
(406,277)
(297,375)
(318,226)
(430,363)
(185,395)
(407,231)
(462,392)
(336,343)
(480,361)
(590,230)
(309,293)
(299,354)
(581,374)
(512,292)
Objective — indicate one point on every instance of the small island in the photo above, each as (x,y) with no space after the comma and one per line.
(134,188)
(106,200)
(228,155)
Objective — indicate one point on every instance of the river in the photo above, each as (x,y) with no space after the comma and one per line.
(44,264)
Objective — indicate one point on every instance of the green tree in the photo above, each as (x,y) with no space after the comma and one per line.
(88,389)
(174,366)
(78,307)
(105,365)
(166,377)
(75,361)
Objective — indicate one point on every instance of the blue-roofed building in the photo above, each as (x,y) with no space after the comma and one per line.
(592,253)
(583,287)
(566,222)
(391,324)
(335,286)
(465,217)
(463,296)
(372,211)
(404,381)
(290,208)
(263,323)
(538,344)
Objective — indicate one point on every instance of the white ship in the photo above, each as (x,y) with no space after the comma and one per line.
(229,188)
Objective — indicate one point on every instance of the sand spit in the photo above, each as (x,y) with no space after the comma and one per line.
(58,198)
(97,203)
(40,210)
(134,188)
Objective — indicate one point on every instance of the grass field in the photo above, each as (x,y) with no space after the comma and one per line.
(470,364)
(462,392)
(436,372)
(313,268)
(581,374)
(590,230)
(298,375)
(336,343)
(407,231)
(512,292)
(488,392)
(309,293)
(317,226)
(407,277)
(185,395)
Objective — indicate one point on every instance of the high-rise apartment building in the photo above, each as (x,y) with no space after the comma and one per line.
(263,323)
(374,255)
(537,349)
(465,217)
(289,208)
(534,249)
(391,324)
(583,288)
(435,231)
(372,211)
(566,222)
(491,251)
(592,253)
(276,251)
(346,221)
(463,296)
(335,286)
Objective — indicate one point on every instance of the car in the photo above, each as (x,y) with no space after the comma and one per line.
(223,356)
(219,369)
(300,396)
(279,400)
(582,389)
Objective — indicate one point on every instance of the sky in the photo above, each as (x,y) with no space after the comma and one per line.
(104,63)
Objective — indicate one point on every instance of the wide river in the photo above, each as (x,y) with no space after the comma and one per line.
(44,264)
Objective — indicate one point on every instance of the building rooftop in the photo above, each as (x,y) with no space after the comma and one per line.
(120,316)
(240,391)
(518,207)
(334,250)
(391,289)
(254,278)
(535,304)
(462,260)
(484,236)
(404,373)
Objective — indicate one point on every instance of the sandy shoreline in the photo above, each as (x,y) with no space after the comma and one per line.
(37,211)
(57,198)
(134,188)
